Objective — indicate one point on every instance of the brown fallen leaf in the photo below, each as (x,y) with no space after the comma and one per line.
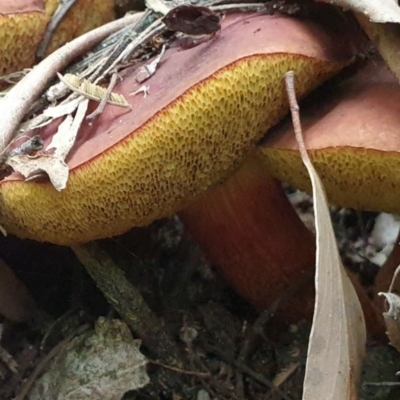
(338,335)
(192,20)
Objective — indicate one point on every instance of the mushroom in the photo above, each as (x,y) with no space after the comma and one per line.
(352,136)
(23,23)
(189,147)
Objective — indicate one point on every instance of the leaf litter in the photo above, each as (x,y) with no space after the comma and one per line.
(102,364)
(52,161)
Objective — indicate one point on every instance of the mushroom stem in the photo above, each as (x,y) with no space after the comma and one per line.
(249,229)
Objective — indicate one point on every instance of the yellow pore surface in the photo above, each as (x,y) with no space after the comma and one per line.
(21,33)
(360,178)
(194,142)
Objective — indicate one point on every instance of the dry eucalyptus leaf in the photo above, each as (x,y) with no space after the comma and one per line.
(53,164)
(54,167)
(380,11)
(338,335)
(148,70)
(65,137)
(50,114)
(158,6)
(100,365)
(392,318)
(62,109)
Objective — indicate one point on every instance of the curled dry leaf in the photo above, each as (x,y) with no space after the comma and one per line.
(192,20)
(65,137)
(158,6)
(54,167)
(50,114)
(101,365)
(338,335)
(146,71)
(392,318)
(387,277)
(53,162)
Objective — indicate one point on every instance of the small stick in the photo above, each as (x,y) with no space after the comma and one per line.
(105,97)
(8,359)
(151,31)
(180,370)
(394,279)
(56,19)
(294,108)
(18,100)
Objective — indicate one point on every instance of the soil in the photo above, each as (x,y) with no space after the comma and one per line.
(218,346)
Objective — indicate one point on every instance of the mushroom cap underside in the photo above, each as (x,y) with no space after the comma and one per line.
(207,107)
(351,131)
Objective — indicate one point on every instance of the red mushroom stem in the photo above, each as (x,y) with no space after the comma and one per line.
(249,229)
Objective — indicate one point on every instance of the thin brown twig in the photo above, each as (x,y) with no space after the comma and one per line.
(294,108)
(394,279)
(56,19)
(153,30)
(100,108)
(8,360)
(180,370)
